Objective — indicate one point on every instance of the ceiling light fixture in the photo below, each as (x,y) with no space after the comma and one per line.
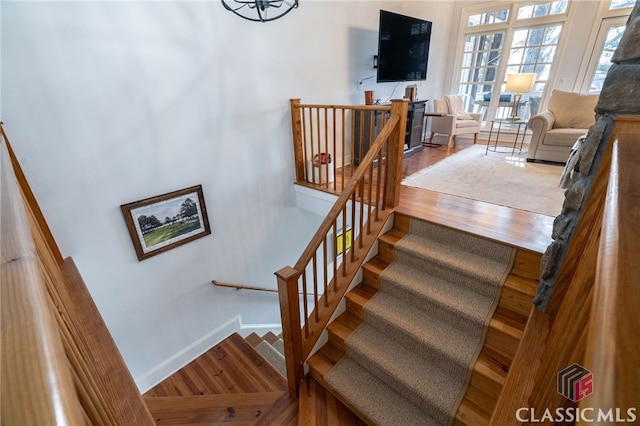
(260,10)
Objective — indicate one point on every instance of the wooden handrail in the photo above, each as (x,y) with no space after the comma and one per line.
(365,202)
(611,354)
(242,287)
(60,364)
(248,287)
(37,384)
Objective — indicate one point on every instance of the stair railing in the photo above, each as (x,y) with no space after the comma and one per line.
(591,317)
(329,141)
(37,384)
(60,365)
(614,323)
(337,250)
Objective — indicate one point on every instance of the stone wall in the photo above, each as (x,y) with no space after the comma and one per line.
(620,95)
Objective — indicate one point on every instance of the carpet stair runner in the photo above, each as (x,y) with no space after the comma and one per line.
(271,347)
(421,341)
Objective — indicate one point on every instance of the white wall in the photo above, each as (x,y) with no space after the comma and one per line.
(110,102)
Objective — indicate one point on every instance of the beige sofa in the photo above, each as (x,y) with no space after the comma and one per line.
(554,131)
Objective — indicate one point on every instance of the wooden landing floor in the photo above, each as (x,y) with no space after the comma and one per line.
(229,384)
(232,384)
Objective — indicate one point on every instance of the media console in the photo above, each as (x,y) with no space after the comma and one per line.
(413,133)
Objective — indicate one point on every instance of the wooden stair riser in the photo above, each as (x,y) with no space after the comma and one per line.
(371,271)
(356,299)
(490,385)
(515,303)
(480,398)
(401,223)
(341,328)
(503,339)
(386,250)
(470,414)
(527,265)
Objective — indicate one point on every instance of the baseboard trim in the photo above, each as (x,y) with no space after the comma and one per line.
(174,363)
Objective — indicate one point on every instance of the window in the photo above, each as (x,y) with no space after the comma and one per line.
(621,4)
(480,67)
(542,9)
(533,50)
(614,34)
(603,43)
(524,41)
(487,18)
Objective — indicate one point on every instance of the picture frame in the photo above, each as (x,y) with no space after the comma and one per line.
(161,223)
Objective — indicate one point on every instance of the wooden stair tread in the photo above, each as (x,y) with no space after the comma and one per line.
(270,337)
(491,369)
(392,236)
(322,361)
(376,265)
(253,339)
(507,325)
(319,407)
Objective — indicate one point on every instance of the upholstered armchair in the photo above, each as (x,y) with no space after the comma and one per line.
(454,120)
(556,130)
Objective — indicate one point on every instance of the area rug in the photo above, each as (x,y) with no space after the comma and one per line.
(497,178)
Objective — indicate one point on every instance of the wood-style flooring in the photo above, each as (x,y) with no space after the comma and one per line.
(515,227)
(224,386)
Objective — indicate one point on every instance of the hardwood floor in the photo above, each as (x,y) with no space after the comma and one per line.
(229,384)
(515,227)
(223,387)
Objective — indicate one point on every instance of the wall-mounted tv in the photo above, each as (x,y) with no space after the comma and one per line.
(403,47)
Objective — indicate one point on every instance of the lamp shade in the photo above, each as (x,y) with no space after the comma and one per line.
(520,83)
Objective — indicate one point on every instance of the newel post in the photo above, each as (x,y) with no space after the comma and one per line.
(395,153)
(296,127)
(291,328)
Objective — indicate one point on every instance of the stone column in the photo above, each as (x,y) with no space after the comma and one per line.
(620,95)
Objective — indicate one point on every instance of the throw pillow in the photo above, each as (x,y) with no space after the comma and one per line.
(456,107)
(573,110)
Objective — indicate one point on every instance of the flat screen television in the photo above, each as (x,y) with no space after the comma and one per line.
(403,47)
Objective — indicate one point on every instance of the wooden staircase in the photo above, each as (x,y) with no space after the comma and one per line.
(503,336)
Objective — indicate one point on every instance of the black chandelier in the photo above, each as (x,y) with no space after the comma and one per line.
(260,10)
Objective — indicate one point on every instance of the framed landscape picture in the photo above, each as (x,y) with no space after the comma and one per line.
(160,223)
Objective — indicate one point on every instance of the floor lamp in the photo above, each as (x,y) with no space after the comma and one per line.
(518,84)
